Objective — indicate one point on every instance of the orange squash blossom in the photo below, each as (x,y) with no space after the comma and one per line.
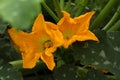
(76,29)
(39,44)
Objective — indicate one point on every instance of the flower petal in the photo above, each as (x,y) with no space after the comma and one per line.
(83,21)
(88,35)
(66,23)
(25,40)
(30,59)
(29,47)
(54,33)
(39,25)
(48,60)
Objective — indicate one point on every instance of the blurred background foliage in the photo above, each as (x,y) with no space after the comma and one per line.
(19,13)
(81,61)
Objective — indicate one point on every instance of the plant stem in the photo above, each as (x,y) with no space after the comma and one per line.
(50,11)
(67,7)
(26,71)
(57,8)
(61,4)
(115,27)
(80,7)
(3,28)
(103,14)
(17,64)
(113,20)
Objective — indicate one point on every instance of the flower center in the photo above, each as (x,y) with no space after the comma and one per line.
(67,35)
(48,44)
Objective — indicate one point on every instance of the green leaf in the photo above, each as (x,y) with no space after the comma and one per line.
(7,51)
(66,72)
(7,72)
(19,13)
(104,54)
(94,75)
(72,72)
(3,27)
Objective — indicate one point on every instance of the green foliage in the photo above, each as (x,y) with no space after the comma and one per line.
(78,7)
(19,13)
(86,60)
(66,72)
(104,12)
(3,27)
(104,55)
(7,72)
(97,5)
(7,51)
(70,72)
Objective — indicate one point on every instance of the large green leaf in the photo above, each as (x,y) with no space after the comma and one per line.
(104,54)
(66,72)
(71,72)
(19,13)
(7,72)
(7,51)
(94,75)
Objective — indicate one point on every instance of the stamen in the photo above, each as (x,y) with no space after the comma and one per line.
(48,44)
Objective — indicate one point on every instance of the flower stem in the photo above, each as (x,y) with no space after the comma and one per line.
(113,20)
(103,14)
(62,4)
(57,8)
(50,11)
(115,27)
(17,64)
